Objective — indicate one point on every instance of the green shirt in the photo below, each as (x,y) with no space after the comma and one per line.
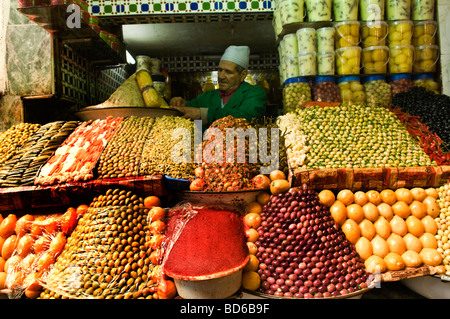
(249,101)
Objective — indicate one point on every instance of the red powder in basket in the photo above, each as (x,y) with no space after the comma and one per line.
(204,243)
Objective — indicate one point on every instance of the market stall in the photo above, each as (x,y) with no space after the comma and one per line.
(102,207)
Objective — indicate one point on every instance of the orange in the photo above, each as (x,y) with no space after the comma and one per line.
(251,280)
(361,198)
(382,227)
(429,225)
(394,261)
(155,213)
(327,197)
(428,241)
(418,209)
(279,186)
(401,208)
(388,196)
(151,201)
(385,210)
(2,264)
(415,226)
(277,174)
(355,212)
(9,246)
(367,229)
(252,235)
(396,244)
(431,256)
(432,192)
(23,224)
(14,263)
(370,211)
(379,246)
(252,220)
(346,196)
(252,248)
(263,198)
(418,193)
(375,264)
(364,248)
(404,194)
(398,226)
(338,212)
(252,264)
(25,245)
(432,206)
(8,226)
(253,207)
(374,197)
(412,243)
(411,258)
(351,231)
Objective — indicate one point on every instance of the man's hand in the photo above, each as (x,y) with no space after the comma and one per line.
(177,101)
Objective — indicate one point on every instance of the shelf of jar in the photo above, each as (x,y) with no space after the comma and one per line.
(61,21)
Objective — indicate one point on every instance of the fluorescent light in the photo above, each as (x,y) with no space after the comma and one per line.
(130,58)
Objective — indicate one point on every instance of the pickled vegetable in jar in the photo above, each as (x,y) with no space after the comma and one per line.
(372,10)
(326,63)
(373,33)
(307,63)
(424,33)
(318,10)
(276,22)
(325,89)
(400,83)
(296,92)
(347,34)
(291,11)
(306,39)
(291,67)
(352,91)
(398,10)
(290,45)
(401,59)
(345,10)
(427,81)
(378,92)
(425,58)
(325,39)
(422,10)
(348,60)
(375,59)
(400,33)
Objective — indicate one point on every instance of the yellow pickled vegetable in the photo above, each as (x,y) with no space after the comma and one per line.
(143,79)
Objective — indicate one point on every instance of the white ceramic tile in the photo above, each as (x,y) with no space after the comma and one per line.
(444,24)
(445,67)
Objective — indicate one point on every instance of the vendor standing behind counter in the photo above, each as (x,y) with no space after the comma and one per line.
(234,96)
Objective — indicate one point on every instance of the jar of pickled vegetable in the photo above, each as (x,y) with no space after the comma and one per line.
(400,33)
(401,59)
(347,34)
(373,33)
(422,10)
(290,45)
(398,10)
(427,81)
(378,92)
(400,83)
(325,39)
(351,89)
(348,60)
(425,58)
(291,67)
(296,92)
(325,63)
(424,33)
(325,89)
(306,39)
(375,59)
(319,10)
(276,22)
(345,10)
(291,11)
(372,10)
(307,63)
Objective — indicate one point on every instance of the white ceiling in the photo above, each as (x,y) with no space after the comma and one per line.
(190,39)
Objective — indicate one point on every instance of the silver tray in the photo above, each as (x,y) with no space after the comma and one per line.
(94,113)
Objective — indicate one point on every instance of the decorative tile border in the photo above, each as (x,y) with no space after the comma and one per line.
(143,7)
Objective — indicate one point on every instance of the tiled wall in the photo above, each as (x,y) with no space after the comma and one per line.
(444,29)
(123,7)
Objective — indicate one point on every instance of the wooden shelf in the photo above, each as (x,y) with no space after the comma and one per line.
(83,40)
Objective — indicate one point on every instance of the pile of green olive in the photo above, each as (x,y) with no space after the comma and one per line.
(351,136)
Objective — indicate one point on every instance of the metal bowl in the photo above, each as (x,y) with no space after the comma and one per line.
(94,113)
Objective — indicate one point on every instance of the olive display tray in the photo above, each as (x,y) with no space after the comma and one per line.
(94,113)
(371,178)
(352,295)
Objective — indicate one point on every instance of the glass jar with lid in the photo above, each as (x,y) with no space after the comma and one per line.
(325,63)
(422,10)
(400,83)
(319,10)
(401,59)
(398,10)
(348,60)
(427,81)
(291,11)
(378,91)
(325,89)
(400,33)
(351,89)
(325,39)
(296,92)
(375,59)
(425,58)
(345,10)
(424,33)
(373,33)
(372,10)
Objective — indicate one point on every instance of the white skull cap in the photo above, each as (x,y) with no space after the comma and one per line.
(237,54)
